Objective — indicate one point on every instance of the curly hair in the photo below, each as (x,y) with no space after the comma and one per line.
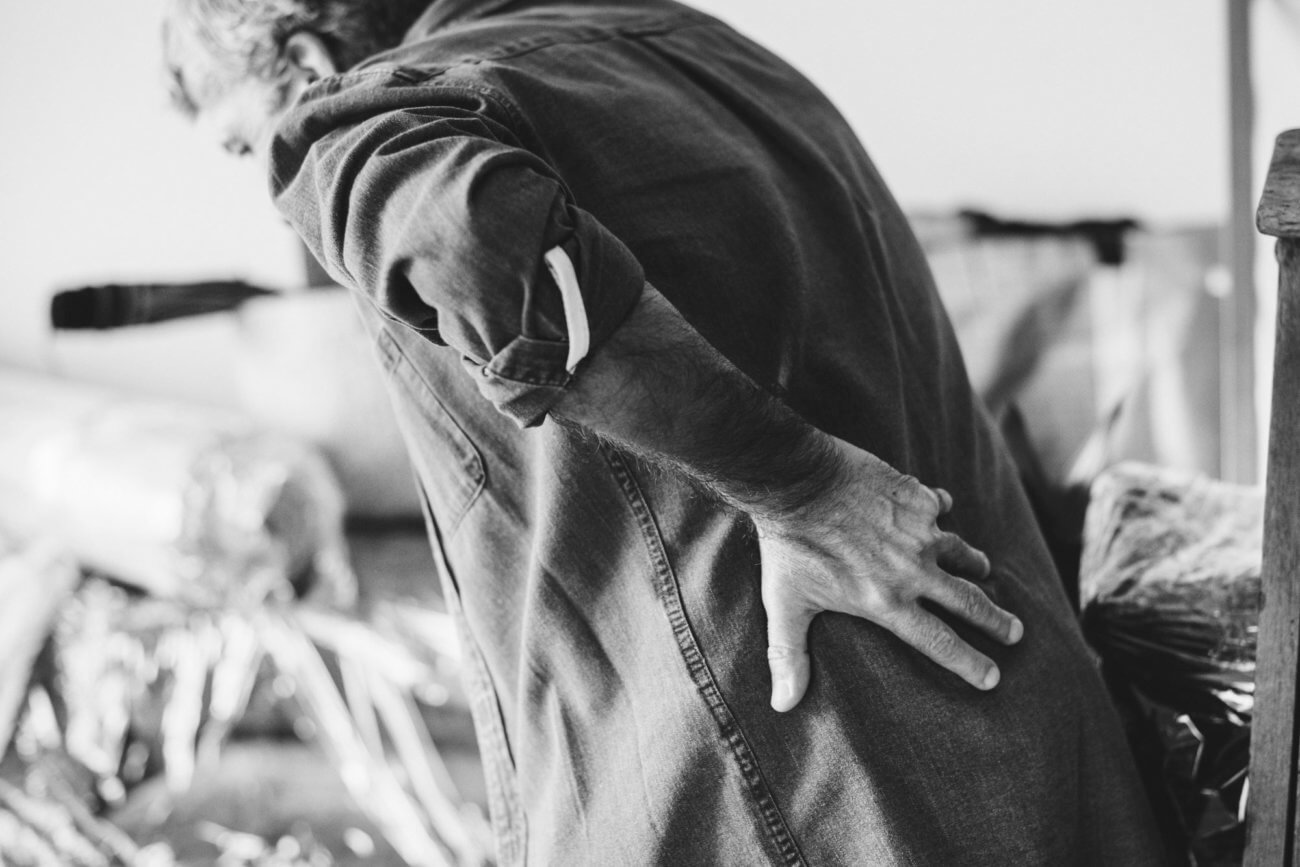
(209,44)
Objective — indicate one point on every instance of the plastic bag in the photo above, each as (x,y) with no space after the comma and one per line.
(1171,594)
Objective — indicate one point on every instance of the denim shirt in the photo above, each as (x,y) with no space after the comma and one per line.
(610,609)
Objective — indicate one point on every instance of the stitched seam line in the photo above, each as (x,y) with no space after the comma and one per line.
(509,826)
(670,597)
(504,809)
(397,362)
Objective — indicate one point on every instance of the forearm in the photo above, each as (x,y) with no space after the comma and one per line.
(659,389)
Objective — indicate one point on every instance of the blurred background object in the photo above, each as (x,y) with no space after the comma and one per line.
(306,367)
(1091,342)
(1171,595)
(180,501)
(221,605)
(35,581)
(118,305)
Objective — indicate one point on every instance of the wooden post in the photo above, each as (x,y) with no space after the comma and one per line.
(1272,815)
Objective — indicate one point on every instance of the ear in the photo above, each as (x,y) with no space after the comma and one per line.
(308,57)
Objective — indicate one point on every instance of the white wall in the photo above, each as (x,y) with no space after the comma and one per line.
(100,182)
(1022,106)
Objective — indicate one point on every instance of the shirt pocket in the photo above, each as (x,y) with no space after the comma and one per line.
(450,467)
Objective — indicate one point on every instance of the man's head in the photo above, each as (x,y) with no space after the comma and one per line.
(236,65)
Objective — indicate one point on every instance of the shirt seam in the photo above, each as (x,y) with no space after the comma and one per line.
(509,824)
(472,474)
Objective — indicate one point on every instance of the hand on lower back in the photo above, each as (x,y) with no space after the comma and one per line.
(871,547)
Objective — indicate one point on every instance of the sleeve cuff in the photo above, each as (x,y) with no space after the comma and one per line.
(599,282)
(526,378)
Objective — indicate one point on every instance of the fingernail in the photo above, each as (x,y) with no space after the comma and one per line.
(991,679)
(782,694)
(1016,630)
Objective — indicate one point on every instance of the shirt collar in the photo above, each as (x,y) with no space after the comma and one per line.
(443,12)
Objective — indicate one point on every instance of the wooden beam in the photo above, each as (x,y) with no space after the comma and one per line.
(1272,815)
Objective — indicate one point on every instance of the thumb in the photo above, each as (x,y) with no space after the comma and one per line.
(787,653)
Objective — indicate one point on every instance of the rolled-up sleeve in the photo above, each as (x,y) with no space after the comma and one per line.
(421,196)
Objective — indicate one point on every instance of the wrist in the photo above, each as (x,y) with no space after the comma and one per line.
(810,489)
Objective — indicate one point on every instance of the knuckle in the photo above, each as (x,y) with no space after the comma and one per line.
(971,551)
(909,490)
(941,643)
(879,601)
(982,611)
(913,548)
(944,542)
(968,600)
(784,652)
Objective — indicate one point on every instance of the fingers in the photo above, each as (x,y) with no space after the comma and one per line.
(955,555)
(936,640)
(787,653)
(968,602)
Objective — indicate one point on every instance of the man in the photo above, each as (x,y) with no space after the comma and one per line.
(670,365)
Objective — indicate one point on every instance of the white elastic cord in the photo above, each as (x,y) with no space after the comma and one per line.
(575,309)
